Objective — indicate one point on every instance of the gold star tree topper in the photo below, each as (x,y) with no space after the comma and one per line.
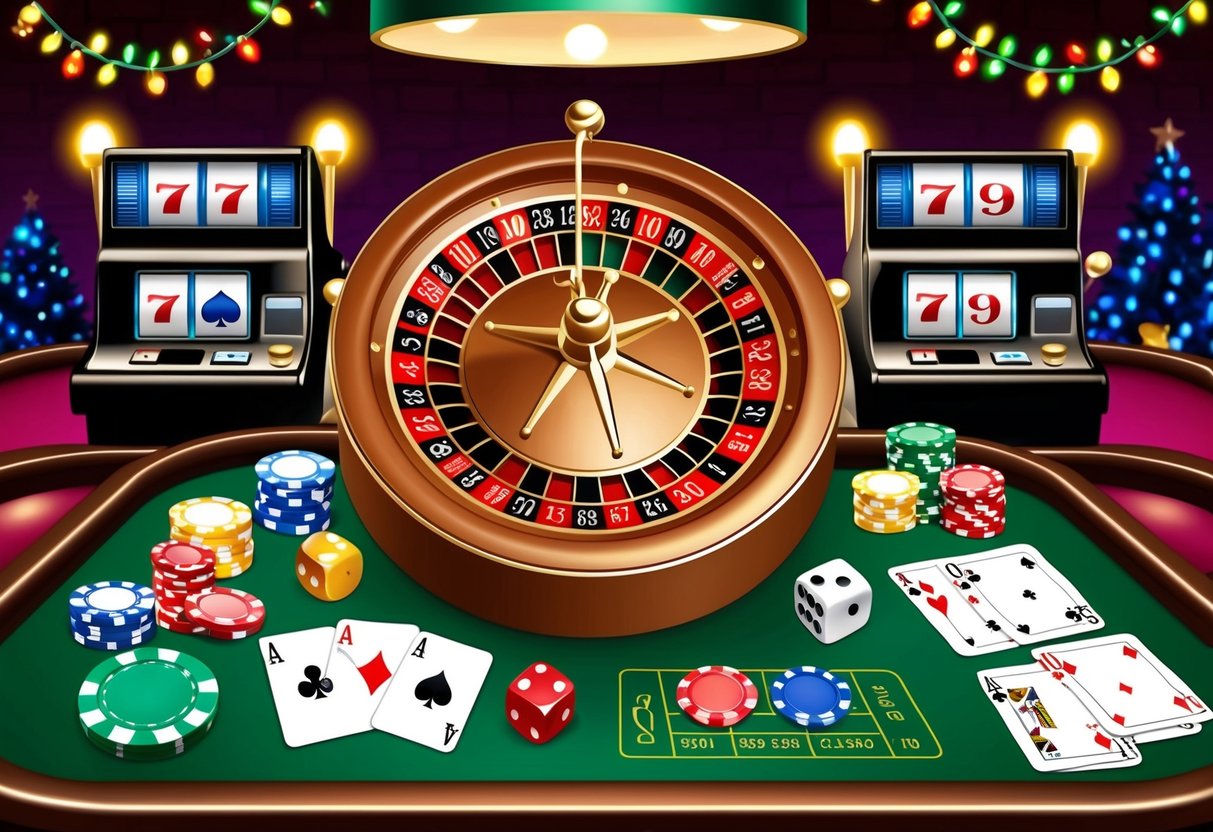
(1166,136)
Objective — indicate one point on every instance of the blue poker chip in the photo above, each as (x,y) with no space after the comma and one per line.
(811,697)
(92,633)
(296,469)
(293,497)
(285,527)
(293,515)
(114,644)
(116,604)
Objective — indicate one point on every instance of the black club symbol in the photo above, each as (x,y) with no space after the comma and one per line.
(1029,594)
(314,686)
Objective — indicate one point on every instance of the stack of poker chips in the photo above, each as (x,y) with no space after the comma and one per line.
(885,501)
(180,570)
(148,704)
(925,449)
(112,615)
(294,492)
(975,501)
(221,524)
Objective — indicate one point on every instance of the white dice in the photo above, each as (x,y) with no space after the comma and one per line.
(832,600)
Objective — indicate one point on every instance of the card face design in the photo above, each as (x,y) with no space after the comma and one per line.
(431,697)
(930,589)
(1017,589)
(1051,726)
(1124,684)
(363,658)
(303,695)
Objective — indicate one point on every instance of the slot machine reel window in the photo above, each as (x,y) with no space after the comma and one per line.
(208,305)
(189,194)
(966,305)
(968,195)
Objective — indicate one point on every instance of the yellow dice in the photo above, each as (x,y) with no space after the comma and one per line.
(328,566)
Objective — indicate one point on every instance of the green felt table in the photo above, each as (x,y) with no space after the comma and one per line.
(920,731)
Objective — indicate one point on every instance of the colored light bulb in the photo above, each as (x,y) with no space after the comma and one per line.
(73,64)
(983,35)
(1065,83)
(106,75)
(1199,12)
(281,15)
(993,69)
(965,63)
(249,50)
(1076,53)
(180,53)
(1042,55)
(945,38)
(1036,84)
(51,43)
(919,15)
(155,83)
(1103,50)
(1109,77)
(99,42)
(204,38)
(1149,56)
(1007,46)
(204,75)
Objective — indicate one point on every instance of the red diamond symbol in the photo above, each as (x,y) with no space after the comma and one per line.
(1118,719)
(927,588)
(1183,703)
(1130,652)
(1102,740)
(1126,688)
(1068,668)
(375,672)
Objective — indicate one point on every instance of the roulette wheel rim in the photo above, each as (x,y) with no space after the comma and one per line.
(547,580)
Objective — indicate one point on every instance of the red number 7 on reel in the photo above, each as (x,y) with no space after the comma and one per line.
(231,202)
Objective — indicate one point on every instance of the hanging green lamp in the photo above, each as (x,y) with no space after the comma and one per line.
(589,32)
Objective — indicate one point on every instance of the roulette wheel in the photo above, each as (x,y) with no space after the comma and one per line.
(586,389)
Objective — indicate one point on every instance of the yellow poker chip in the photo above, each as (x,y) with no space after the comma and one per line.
(213,541)
(211,516)
(883,527)
(901,512)
(222,573)
(886,489)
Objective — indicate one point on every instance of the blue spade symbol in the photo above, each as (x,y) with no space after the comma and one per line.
(221,310)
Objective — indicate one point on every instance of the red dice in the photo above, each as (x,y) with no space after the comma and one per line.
(539,703)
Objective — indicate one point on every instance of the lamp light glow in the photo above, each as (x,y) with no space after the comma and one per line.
(585,42)
(717,25)
(457,25)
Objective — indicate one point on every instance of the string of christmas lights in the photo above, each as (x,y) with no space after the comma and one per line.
(208,47)
(977,55)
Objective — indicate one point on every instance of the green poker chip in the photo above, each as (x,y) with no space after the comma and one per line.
(925,449)
(148,703)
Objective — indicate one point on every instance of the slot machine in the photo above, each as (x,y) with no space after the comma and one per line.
(966,297)
(210,313)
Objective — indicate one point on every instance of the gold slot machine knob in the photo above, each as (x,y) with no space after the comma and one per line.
(1054,354)
(1098,263)
(332,290)
(840,292)
(584,115)
(281,355)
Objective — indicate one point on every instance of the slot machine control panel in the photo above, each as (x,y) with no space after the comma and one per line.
(966,297)
(209,311)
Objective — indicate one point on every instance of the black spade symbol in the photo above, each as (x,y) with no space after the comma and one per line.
(314,686)
(974,577)
(433,690)
(221,310)
(1027,563)
(915,590)
(1024,628)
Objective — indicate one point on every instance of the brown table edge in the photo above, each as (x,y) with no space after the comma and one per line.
(37,359)
(1173,474)
(51,467)
(27,797)
(1193,369)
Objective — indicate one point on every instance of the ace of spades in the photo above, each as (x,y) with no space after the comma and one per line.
(431,697)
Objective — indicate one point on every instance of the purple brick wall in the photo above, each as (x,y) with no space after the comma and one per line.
(753,121)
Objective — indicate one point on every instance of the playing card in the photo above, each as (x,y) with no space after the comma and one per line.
(1051,726)
(1016,589)
(363,658)
(304,697)
(930,589)
(1186,729)
(432,695)
(1124,684)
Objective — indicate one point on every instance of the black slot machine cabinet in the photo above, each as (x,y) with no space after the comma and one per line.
(209,313)
(966,297)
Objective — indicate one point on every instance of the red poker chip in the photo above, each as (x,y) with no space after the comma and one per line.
(182,559)
(173,623)
(717,696)
(172,579)
(226,610)
(972,481)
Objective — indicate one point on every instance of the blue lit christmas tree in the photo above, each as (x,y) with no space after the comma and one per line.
(1160,289)
(39,302)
